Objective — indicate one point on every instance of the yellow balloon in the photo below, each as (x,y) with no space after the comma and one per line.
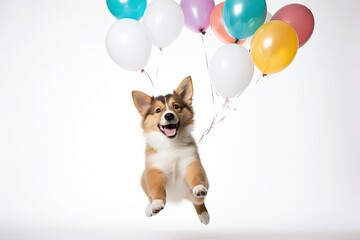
(274,46)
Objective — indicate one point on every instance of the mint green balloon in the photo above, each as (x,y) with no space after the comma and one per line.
(133,9)
(242,18)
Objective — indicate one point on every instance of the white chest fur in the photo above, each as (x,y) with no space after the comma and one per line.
(173,161)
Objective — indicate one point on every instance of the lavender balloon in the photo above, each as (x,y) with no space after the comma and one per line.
(197,14)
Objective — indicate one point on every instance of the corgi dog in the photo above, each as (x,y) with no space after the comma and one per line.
(173,170)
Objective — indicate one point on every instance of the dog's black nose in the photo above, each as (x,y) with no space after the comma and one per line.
(169,116)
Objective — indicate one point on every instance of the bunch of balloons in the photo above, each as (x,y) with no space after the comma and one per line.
(274,39)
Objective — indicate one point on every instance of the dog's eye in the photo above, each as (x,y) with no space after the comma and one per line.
(176,106)
(158,110)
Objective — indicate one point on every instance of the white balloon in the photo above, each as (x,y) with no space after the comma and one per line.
(128,44)
(231,70)
(165,20)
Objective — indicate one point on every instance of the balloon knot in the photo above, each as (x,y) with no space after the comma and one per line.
(264,75)
(142,70)
(203,32)
(236,41)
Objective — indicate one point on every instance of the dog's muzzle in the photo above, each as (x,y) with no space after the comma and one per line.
(169,129)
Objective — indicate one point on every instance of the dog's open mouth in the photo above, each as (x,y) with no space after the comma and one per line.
(169,130)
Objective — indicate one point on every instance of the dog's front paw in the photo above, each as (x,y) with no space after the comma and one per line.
(199,191)
(154,207)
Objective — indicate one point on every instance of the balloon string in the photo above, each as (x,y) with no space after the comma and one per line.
(148,77)
(206,57)
(226,105)
(261,75)
(216,115)
(215,120)
(207,64)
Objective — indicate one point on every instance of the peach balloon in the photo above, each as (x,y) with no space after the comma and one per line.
(218,28)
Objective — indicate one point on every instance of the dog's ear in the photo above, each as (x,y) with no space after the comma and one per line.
(142,101)
(185,90)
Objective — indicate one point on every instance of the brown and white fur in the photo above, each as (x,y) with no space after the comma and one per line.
(173,170)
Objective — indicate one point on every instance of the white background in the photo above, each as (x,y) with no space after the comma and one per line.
(72,151)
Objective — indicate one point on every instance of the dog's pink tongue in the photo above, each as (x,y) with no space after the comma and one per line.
(169,132)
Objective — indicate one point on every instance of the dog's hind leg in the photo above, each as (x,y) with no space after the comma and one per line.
(200,208)
(202,213)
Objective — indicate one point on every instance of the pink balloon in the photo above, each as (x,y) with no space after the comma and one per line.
(197,14)
(300,18)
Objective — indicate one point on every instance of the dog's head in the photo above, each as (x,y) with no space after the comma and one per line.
(170,115)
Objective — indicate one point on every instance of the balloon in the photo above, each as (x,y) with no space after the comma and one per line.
(127,8)
(197,14)
(243,17)
(300,18)
(165,20)
(231,70)
(217,25)
(128,44)
(274,46)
